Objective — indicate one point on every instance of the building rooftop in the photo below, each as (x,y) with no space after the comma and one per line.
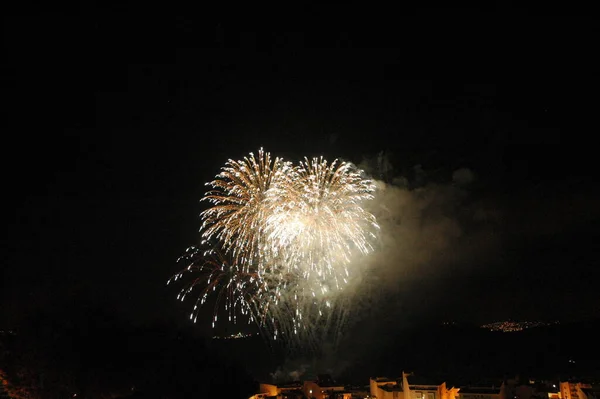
(488,390)
(290,385)
(391,387)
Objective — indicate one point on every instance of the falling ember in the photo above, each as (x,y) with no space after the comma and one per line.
(283,237)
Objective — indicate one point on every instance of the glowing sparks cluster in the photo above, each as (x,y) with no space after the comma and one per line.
(283,237)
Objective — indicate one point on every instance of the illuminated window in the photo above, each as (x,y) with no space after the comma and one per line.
(419,395)
(430,395)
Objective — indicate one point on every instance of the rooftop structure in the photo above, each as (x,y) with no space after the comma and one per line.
(513,326)
(579,390)
(410,386)
(325,388)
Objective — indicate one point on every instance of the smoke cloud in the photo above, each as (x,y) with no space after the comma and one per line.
(428,229)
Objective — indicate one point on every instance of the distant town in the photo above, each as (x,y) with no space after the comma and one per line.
(513,326)
(235,336)
(502,326)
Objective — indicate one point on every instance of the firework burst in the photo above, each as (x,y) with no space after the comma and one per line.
(286,238)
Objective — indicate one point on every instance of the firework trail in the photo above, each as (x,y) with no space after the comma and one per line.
(285,238)
(215,275)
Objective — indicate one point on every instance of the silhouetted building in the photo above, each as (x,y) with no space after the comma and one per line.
(325,388)
(579,390)
(292,390)
(410,387)
(483,392)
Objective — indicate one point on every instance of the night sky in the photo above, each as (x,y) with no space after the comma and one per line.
(119,112)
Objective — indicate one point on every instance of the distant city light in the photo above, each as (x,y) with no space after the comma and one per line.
(513,326)
(235,336)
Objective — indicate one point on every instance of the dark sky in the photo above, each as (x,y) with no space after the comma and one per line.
(117,113)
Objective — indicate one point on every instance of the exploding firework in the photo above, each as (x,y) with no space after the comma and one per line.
(237,216)
(317,224)
(286,237)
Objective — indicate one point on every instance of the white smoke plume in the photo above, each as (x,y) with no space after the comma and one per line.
(430,231)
